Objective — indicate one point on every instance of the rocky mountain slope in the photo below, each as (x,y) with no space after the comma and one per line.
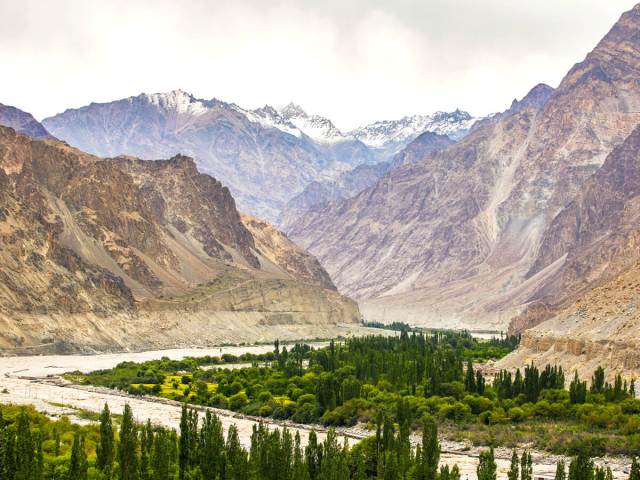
(126,253)
(594,238)
(348,184)
(451,240)
(22,122)
(598,328)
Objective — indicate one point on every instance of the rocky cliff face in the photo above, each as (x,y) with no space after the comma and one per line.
(594,238)
(22,122)
(145,243)
(450,240)
(599,327)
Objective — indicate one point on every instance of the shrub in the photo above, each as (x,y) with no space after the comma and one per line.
(516,414)
(237,401)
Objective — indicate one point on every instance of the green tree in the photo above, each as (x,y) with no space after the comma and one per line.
(128,446)
(470,378)
(561,471)
(634,474)
(105,450)
(577,390)
(78,463)
(211,447)
(24,449)
(526,466)
(430,448)
(237,467)
(514,470)
(597,382)
(161,456)
(581,468)
(487,467)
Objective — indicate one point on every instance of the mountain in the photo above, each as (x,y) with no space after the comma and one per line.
(120,253)
(350,183)
(263,164)
(451,239)
(391,136)
(593,238)
(22,122)
(321,192)
(266,156)
(590,308)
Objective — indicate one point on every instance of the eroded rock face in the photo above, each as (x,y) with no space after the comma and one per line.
(449,241)
(595,237)
(138,240)
(275,247)
(599,327)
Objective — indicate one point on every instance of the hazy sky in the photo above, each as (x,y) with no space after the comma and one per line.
(354,61)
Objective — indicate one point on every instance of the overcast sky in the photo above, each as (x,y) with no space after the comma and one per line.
(354,61)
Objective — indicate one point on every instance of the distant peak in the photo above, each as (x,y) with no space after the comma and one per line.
(178,101)
(536,98)
(292,110)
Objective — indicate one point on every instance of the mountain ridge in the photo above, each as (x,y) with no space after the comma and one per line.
(448,241)
(118,253)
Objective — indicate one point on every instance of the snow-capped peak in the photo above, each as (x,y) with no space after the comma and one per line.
(178,101)
(269,117)
(320,129)
(292,111)
(378,134)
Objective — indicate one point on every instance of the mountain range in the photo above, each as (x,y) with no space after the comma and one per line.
(525,220)
(265,156)
(524,217)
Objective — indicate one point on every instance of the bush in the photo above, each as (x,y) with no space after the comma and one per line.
(478,404)
(265,396)
(237,401)
(219,400)
(306,398)
(455,411)
(516,414)
(453,389)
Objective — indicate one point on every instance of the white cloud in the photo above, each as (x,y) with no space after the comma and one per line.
(354,61)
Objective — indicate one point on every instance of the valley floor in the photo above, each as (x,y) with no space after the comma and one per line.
(34,380)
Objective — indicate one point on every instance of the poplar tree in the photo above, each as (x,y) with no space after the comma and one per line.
(430,449)
(581,468)
(514,470)
(237,465)
(105,450)
(24,449)
(470,379)
(634,474)
(526,466)
(128,446)
(78,464)
(487,467)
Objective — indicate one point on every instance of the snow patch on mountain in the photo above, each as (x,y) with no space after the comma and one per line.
(318,128)
(379,134)
(179,101)
(269,117)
